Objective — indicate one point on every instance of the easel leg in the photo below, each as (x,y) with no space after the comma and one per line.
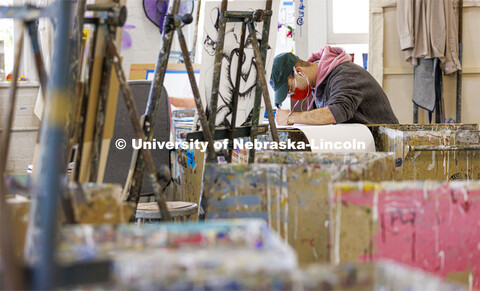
(49,175)
(263,82)
(196,94)
(42,75)
(415,113)
(84,92)
(259,90)
(134,117)
(212,116)
(100,116)
(152,107)
(12,273)
(12,99)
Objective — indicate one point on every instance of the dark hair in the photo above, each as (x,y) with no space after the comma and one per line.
(299,63)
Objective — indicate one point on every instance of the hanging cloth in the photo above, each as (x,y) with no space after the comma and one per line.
(428,29)
(428,36)
(428,86)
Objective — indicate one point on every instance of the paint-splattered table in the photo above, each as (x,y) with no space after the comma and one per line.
(440,152)
(290,190)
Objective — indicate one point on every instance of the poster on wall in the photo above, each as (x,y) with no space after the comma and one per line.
(249,74)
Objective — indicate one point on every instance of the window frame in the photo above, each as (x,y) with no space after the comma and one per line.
(342,38)
(27,63)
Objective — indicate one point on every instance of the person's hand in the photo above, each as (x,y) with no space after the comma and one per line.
(281,117)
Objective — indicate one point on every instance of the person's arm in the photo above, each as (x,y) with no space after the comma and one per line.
(186,103)
(318,116)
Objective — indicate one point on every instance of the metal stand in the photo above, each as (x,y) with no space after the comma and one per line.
(82,92)
(415,113)
(51,167)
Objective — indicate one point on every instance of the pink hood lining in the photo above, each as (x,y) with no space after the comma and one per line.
(328,58)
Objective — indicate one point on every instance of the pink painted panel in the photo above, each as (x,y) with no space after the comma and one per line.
(437,230)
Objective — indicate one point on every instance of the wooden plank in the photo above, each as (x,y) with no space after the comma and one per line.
(100,49)
(431,165)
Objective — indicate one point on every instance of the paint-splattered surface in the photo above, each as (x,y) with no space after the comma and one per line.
(430,127)
(382,275)
(450,163)
(99,203)
(292,197)
(187,174)
(340,166)
(86,241)
(203,269)
(18,208)
(91,203)
(216,255)
(428,225)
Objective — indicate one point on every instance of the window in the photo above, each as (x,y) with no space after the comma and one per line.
(6,43)
(347,21)
(10,33)
(347,26)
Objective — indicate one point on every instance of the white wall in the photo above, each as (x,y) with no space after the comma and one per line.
(317,34)
(315,26)
(146,38)
(24,128)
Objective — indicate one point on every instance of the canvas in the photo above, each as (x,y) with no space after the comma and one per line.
(229,63)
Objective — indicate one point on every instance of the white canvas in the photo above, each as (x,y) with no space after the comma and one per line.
(249,77)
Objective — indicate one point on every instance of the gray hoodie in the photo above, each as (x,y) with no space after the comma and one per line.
(354,96)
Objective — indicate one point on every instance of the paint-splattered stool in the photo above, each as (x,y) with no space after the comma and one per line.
(179,211)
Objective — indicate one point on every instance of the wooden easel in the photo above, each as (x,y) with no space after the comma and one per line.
(147,160)
(111,16)
(173,23)
(46,273)
(28,15)
(93,119)
(248,20)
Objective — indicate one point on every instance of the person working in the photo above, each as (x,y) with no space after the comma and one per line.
(344,92)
